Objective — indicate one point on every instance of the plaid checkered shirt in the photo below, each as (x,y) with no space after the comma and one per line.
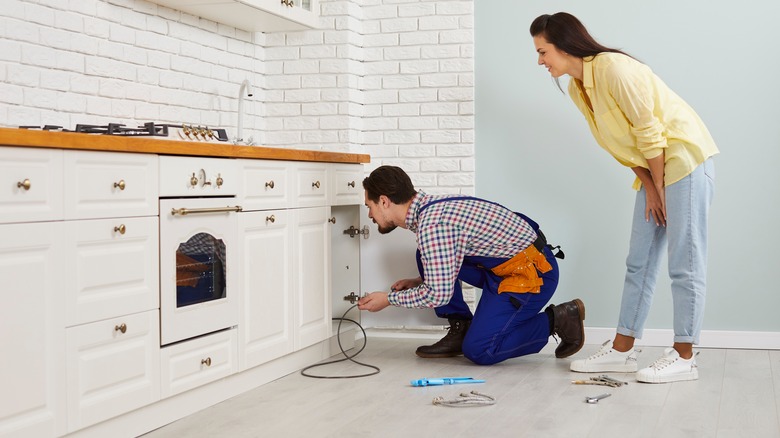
(451,230)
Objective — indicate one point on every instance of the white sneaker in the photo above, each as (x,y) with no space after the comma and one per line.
(607,360)
(669,368)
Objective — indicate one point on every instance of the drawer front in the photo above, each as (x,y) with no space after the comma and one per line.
(198,176)
(265,185)
(113,268)
(312,184)
(113,367)
(193,363)
(347,184)
(110,184)
(30,184)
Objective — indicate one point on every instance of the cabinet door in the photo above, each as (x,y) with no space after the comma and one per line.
(113,367)
(266,278)
(30,184)
(32,330)
(312,276)
(110,184)
(113,268)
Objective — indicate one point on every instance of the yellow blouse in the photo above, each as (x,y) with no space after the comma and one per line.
(634,116)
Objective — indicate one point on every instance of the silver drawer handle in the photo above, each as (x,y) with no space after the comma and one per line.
(351,184)
(269,184)
(186,211)
(206,361)
(316,184)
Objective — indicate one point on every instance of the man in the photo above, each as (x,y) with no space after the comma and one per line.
(486,245)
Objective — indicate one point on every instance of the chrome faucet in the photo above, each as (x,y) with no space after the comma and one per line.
(245,88)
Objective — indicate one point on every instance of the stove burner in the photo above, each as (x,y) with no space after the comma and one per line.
(149,129)
(45,127)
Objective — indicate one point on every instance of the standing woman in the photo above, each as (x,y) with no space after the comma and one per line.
(645,126)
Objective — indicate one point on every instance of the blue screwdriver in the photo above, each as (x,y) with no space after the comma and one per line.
(445,381)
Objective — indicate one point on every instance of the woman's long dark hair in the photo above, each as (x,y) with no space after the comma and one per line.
(569,35)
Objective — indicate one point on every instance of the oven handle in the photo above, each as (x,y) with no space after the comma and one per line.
(186,211)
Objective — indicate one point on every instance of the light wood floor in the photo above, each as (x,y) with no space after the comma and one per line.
(737,395)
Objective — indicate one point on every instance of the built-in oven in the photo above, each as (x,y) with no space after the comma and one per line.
(198,217)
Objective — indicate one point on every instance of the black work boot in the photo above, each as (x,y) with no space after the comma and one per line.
(450,345)
(567,324)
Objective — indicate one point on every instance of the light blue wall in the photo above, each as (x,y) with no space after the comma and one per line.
(535,153)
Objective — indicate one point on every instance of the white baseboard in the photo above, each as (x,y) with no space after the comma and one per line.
(709,338)
(597,335)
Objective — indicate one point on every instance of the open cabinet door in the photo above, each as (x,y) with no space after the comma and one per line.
(384,259)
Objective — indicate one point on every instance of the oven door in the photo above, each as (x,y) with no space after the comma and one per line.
(198,293)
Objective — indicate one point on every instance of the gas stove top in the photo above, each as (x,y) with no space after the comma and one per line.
(149,129)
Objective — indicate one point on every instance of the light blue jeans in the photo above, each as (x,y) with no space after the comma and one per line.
(685,240)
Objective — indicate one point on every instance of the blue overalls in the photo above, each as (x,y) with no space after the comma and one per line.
(504,325)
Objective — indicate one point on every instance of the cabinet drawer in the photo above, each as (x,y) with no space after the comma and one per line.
(198,176)
(113,367)
(265,185)
(312,185)
(113,268)
(347,184)
(193,363)
(30,184)
(110,184)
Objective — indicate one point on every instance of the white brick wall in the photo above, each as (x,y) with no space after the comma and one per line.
(391,78)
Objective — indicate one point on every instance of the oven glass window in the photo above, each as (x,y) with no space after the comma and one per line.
(200,270)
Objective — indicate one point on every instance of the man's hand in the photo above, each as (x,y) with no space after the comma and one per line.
(407,283)
(373,302)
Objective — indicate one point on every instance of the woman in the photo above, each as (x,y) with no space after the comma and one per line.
(643,124)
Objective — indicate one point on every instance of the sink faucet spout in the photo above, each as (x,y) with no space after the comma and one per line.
(245,88)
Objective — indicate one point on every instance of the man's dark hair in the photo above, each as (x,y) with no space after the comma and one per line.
(390,181)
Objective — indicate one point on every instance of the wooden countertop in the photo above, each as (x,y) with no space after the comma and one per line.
(151,145)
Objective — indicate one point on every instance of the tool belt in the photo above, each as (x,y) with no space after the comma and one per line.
(521,273)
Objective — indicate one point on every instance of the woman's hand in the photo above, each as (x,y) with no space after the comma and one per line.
(406,283)
(656,205)
(653,182)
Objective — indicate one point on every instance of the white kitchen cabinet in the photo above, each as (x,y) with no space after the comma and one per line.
(253,15)
(285,282)
(113,367)
(198,361)
(312,276)
(32,330)
(30,184)
(111,289)
(113,268)
(265,328)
